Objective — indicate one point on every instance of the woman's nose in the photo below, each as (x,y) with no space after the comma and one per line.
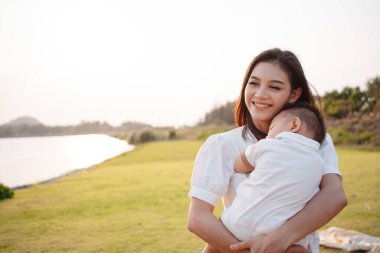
(261,92)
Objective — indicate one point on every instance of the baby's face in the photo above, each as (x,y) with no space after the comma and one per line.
(279,124)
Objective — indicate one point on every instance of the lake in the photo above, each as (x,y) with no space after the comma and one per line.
(30,160)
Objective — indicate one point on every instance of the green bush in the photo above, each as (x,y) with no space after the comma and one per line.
(365,137)
(152,134)
(143,136)
(376,141)
(172,135)
(146,136)
(343,136)
(5,192)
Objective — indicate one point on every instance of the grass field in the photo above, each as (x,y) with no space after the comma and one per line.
(137,202)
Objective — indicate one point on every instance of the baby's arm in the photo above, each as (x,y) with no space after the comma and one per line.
(242,165)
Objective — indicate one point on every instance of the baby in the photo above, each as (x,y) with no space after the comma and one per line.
(286,172)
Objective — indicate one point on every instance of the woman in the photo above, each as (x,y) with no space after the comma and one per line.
(274,78)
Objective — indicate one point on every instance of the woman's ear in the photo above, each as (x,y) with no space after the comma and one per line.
(295,94)
(296,124)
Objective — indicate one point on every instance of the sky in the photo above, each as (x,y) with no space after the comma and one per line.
(168,62)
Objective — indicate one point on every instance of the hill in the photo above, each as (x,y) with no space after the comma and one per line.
(28,126)
(26,120)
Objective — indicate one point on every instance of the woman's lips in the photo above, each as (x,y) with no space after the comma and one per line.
(261,105)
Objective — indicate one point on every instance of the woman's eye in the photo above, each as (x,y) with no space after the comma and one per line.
(274,88)
(253,83)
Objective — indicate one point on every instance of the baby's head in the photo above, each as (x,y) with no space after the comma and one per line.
(299,118)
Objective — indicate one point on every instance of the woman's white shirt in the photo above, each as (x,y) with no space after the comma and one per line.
(213,174)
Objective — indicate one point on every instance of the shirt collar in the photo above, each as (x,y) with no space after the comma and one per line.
(298,138)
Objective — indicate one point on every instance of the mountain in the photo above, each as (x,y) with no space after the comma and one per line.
(24,121)
(28,126)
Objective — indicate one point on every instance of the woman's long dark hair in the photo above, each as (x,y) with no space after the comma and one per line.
(290,64)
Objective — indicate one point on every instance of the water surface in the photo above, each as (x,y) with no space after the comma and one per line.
(31,160)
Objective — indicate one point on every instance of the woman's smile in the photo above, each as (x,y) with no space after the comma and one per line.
(261,105)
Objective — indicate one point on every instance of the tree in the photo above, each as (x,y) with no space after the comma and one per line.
(373,87)
(220,115)
(350,101)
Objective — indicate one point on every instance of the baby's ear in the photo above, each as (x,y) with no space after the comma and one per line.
(296,124)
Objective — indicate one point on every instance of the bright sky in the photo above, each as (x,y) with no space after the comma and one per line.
(168,62)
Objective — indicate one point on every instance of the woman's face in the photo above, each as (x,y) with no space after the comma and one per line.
(268,89)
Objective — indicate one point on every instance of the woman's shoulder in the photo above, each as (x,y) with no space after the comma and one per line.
(235,134)
(328,139)
(327,143)
(230,138)
(328,153)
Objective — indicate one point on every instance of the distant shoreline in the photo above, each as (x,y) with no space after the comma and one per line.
(73,172)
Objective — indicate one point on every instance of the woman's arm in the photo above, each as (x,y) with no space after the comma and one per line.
(203,223)
(324,206)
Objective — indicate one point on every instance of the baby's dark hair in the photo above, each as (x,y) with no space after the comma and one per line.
(310,116)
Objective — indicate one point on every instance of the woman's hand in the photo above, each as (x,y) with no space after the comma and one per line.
(261,244)
(298,249)
(267,244)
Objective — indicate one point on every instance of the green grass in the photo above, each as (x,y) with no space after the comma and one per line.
(137,202)
(361,181)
